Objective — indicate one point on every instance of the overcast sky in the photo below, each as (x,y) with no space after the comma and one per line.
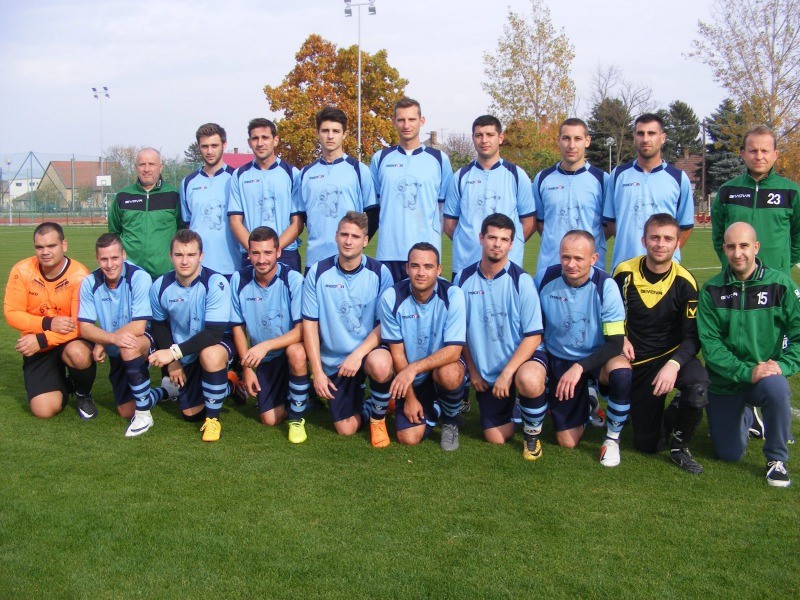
(174,64)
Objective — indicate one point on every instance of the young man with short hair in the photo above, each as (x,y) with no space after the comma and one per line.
(191,314)
(263,193)
(267,303)
(114,312)
(504,329)
(423,320)
(41,302)
(411,181)
(341,332)
(489,184)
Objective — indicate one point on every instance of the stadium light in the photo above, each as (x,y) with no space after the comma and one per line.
(610,142)
(99,93)
(348,12)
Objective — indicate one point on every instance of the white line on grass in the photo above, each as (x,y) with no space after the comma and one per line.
(796,413)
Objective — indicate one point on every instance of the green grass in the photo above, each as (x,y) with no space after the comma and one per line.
(87,513)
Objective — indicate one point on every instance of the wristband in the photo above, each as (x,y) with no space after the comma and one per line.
(176,351)
(675,362)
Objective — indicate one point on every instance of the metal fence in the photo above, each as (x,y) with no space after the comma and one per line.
(93,216)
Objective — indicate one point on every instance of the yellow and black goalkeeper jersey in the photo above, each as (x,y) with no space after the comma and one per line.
(660,309)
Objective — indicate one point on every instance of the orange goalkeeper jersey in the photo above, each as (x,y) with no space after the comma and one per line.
(32,300)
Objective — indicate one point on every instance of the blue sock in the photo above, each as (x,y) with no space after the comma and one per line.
(215,389)
(139,381)
(450,401)
(380,398)
(298,396)
(532,411)
(619,401)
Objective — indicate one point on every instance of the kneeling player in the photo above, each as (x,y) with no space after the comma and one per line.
(267,301)
(341,331)
(584,334)
(117,297)
(662,344)
(423,321)
(191,312)
(504,328)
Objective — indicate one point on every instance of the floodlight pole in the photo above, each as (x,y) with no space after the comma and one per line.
(99,92)
(348,12)
(610,142)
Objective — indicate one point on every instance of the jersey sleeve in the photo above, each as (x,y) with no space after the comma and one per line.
(455,327)
(159,314)
(140,296)
(296,210)
(537,197)
(452,202)
(235,197)
(114,218)
(237,317)
(447,176)
(612,310)
(685,214)
(87,312)
(525,204)
(794,227)
(16,302)
(609,209)
(374,173)
(390,327)
(186,212)
(218,301)
(310,302)
(296,294)
(790,357)
(368,197)
(298,197)
(530,310)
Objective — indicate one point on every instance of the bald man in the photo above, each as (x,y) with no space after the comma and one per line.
(743,315)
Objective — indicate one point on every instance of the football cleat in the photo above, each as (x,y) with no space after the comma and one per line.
(449,441)
(86,407)
(211,430)
(531,448)
(378,435)
(609,453)
(141,422)
(169,387)
(237,389)
(297,431)
(777,475)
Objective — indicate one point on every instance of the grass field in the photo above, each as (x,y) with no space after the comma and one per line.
(87,513)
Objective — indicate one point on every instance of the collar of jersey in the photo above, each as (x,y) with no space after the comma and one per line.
(478,166)
(500,273)
(354,271)
(592,272)
(269,168)
(401,150)
(219,172)
(336,161)
(428,301)
(583,169)
(757,275)
(660,167)
(122,275)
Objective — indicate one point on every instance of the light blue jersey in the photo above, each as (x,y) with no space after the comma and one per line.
(500,312)
(474,194)
(632,196)
(204,206)
(423,328)
(567,200)
(410,188)
(267,312)
(265,197)
(327,191)
(207,301)
(345,304)
(113,308)
(578,319)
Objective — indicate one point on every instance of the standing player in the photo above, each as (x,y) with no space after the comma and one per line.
(267,301)
(486,186)
(644,187)
(191,312)
(661,343)
(331,186)
(41,302)
(117,297)
(423,321)
(204,201)
(744,314)
(569,195)
(584,335)
(504,328)
(341,332)
(146,215)
(263,194)
(411,181)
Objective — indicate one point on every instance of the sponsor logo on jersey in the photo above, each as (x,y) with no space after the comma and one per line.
(739,196)
(253,181)
(257,299)
(174,300)
(317,177)
(555,187)
(474,181)
(30,293)
(200,187)
(656,292)
(395,165)
(414,316)
(557,297)
(335,285)
(631,184)
(729,296)
(476,293)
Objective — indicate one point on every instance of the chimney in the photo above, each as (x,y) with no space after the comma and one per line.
(434,138)
(236,151)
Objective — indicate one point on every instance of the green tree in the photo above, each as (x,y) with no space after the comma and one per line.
(528,75)
(192,154)
(610,119)
(683,129)
(459,149)
(324,75)
(725,128)
(753,49)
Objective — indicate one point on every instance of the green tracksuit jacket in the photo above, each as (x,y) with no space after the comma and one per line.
(743,323)
(771,206)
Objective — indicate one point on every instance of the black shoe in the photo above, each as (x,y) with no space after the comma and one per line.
(86,408)
(777,475)
(683,458)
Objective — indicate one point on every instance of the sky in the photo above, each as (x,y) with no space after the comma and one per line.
(175,64)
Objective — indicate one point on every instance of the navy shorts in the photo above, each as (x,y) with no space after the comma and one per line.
(191,394)
(348,399)
(574,412)
(273,377)
(397,268)
(426,394)
(496,412)
(291,258)
(119,381)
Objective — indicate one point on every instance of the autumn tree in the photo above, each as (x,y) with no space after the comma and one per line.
(753,49)
(325,75)
(459,149)
(528,74)
(532,146)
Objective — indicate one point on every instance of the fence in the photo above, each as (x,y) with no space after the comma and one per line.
(93,216)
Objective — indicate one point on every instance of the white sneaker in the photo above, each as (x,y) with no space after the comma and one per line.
(142,421)
(172,389)
(609,453)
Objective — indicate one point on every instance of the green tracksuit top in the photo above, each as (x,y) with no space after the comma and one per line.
(771,206)
(146,222)
(743,323)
